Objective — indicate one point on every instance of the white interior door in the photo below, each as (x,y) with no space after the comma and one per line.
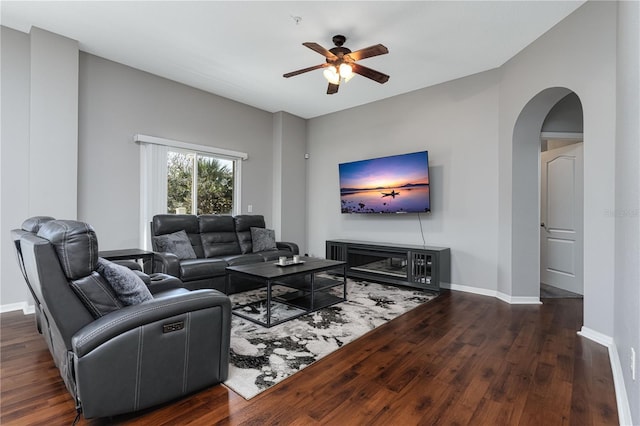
(561,216)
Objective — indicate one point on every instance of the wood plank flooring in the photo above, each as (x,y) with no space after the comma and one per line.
(462,359)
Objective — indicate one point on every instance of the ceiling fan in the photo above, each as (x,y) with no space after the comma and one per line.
(341,63)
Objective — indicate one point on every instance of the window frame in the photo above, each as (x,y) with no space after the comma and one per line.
(153,176)
(196,177)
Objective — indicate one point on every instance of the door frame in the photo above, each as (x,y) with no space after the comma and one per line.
(572,138)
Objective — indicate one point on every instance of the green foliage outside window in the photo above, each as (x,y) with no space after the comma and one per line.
(214,184)
(179,181)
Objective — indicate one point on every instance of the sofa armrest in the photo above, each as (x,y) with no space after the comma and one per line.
(165,305)
(293,247)
(131,264)
(151,353)
(167,263)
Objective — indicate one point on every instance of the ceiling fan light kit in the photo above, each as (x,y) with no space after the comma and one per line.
(331,75)
(341,66)
(343,73)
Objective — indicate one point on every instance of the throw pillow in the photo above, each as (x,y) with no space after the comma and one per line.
(177,243)
(129,287)
(96,294)
(263,239)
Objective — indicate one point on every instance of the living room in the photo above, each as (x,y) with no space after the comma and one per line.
(484,189)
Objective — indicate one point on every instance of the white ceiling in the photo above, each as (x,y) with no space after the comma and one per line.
(240,49)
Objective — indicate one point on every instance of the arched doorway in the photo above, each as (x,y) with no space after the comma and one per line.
(525,202)
(562,201)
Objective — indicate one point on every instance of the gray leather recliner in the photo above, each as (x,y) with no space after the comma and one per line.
(122,359)
(31,225)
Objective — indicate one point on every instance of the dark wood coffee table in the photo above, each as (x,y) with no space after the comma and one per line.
(308,291)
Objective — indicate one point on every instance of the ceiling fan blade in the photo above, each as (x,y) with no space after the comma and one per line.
(369,73)
(368,52)
(321,50)
(315,67)
(333,88)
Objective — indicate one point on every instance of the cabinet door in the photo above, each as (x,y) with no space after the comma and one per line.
(336,251)
(422,268)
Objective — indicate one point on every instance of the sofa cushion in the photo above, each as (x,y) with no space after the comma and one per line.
(177,243)
(263,239)
(244,223)
(128,286)
(196,269)
(170,223)
(96,294)
(218,234)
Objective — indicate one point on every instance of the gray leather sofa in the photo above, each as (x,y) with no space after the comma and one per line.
(218,241)
(116,358)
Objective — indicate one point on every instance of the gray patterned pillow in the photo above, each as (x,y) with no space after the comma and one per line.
(129,287)
(177,243)
(263,239)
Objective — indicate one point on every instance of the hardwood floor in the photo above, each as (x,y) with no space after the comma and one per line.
(462,359)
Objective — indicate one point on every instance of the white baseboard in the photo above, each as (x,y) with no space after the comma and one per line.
(596,336)
(24,306)
(518,300)
(622,401)
(468,289)
(493,293)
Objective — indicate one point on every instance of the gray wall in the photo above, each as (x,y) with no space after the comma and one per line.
(39,139)
(14,154)
(53,125)
(117,102)
(589,34)
(565,116)
(457,122)
(290,183)
(468,127)
(97,164)
(627,200)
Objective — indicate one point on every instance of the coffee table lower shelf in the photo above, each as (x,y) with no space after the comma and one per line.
(310,302)
(285,307)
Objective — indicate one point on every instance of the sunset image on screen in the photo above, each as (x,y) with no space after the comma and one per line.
(395,184)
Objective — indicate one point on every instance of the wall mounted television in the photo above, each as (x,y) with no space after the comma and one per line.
(394,184)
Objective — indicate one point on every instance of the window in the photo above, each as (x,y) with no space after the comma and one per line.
(179,177)
(199,183)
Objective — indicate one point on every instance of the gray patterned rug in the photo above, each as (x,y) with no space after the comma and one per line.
(262,357)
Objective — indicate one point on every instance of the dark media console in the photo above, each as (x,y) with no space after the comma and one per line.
(408,265)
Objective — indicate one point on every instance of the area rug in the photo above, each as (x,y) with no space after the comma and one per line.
(262,357)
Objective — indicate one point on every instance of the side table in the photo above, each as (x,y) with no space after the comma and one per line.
(130,254)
